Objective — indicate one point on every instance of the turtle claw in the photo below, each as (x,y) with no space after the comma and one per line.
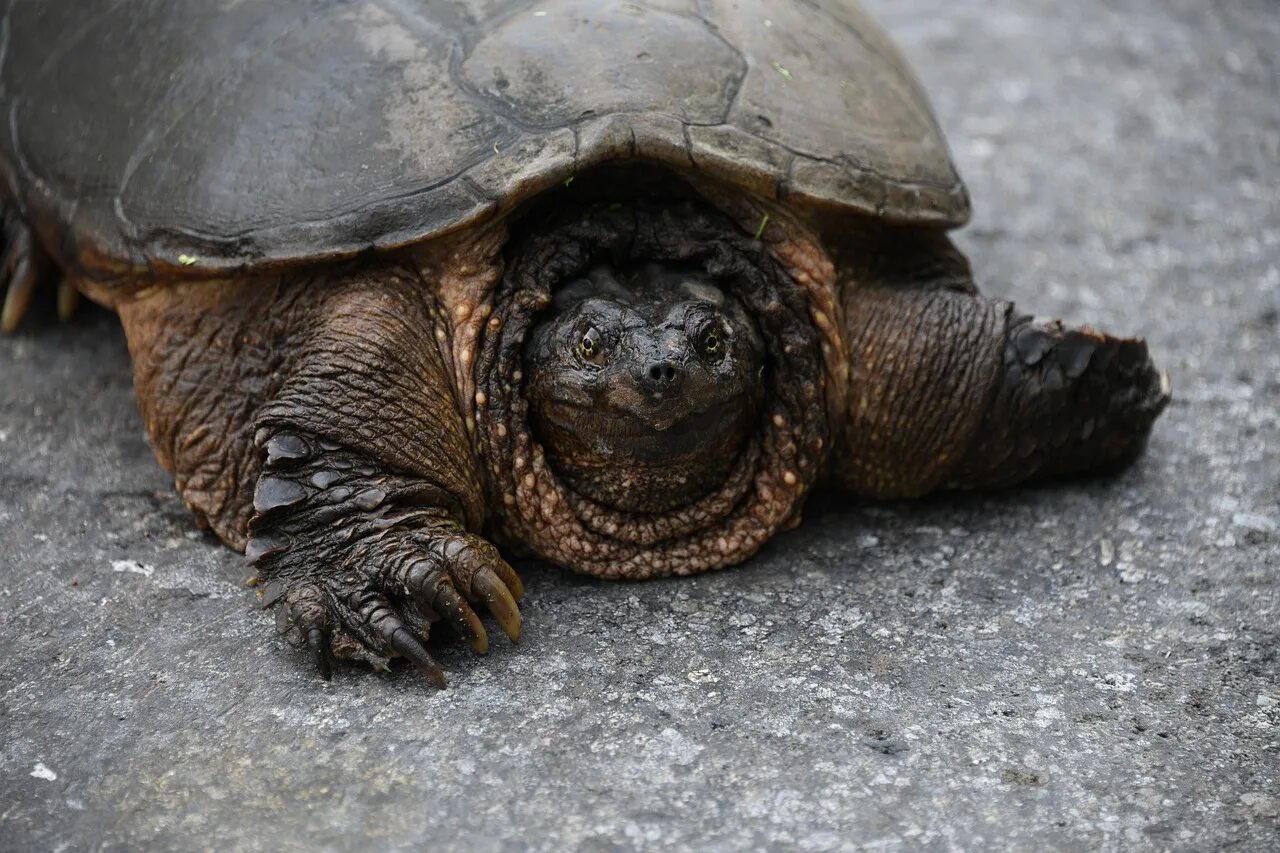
(487,585)
(22,268)
(510,578)
(404,644)
(373,613)
(22,286)
(367,581)
(462,561)
(68,300)
(318,640)
(459,616)
(477,569)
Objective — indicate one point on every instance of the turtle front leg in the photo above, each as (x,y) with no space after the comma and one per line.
(359,559)
(311,422)
(948,389)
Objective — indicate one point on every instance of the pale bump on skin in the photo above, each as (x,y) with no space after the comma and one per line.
(466,266)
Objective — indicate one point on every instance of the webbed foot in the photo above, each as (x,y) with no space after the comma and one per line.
(359,563)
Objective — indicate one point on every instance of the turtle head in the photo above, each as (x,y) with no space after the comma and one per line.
(644,384)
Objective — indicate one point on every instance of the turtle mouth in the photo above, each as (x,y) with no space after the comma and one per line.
(781,439)
(661,424)
(642,463)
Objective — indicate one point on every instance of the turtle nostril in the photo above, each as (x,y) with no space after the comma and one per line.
(662,373)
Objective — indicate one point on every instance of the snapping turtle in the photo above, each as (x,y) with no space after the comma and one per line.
(611,284)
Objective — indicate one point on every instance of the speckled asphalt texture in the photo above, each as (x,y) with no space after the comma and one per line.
(1092,666)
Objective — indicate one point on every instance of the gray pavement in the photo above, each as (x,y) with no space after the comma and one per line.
(1090,666)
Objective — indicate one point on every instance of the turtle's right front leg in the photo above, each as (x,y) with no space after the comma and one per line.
(312,423)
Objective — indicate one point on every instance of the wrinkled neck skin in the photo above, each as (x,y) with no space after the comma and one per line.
(598,471)
(644,385)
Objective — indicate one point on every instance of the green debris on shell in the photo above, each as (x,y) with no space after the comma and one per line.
(760,228)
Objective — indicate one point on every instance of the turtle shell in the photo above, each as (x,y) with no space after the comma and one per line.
(198,136)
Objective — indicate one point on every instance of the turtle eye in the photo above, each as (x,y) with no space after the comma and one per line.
(712,342)
(590,347)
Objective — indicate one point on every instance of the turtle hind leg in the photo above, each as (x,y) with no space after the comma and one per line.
(24,267)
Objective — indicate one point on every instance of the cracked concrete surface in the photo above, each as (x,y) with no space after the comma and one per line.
(1088,666)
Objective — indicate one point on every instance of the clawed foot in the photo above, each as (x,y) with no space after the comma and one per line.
(359,564)
(23,268)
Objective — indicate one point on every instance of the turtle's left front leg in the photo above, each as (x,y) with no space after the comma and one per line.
(948,389)
(312,423)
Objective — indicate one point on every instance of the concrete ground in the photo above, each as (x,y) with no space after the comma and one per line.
(1090,666)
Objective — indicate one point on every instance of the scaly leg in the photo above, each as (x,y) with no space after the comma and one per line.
(311,422)
(948,389)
